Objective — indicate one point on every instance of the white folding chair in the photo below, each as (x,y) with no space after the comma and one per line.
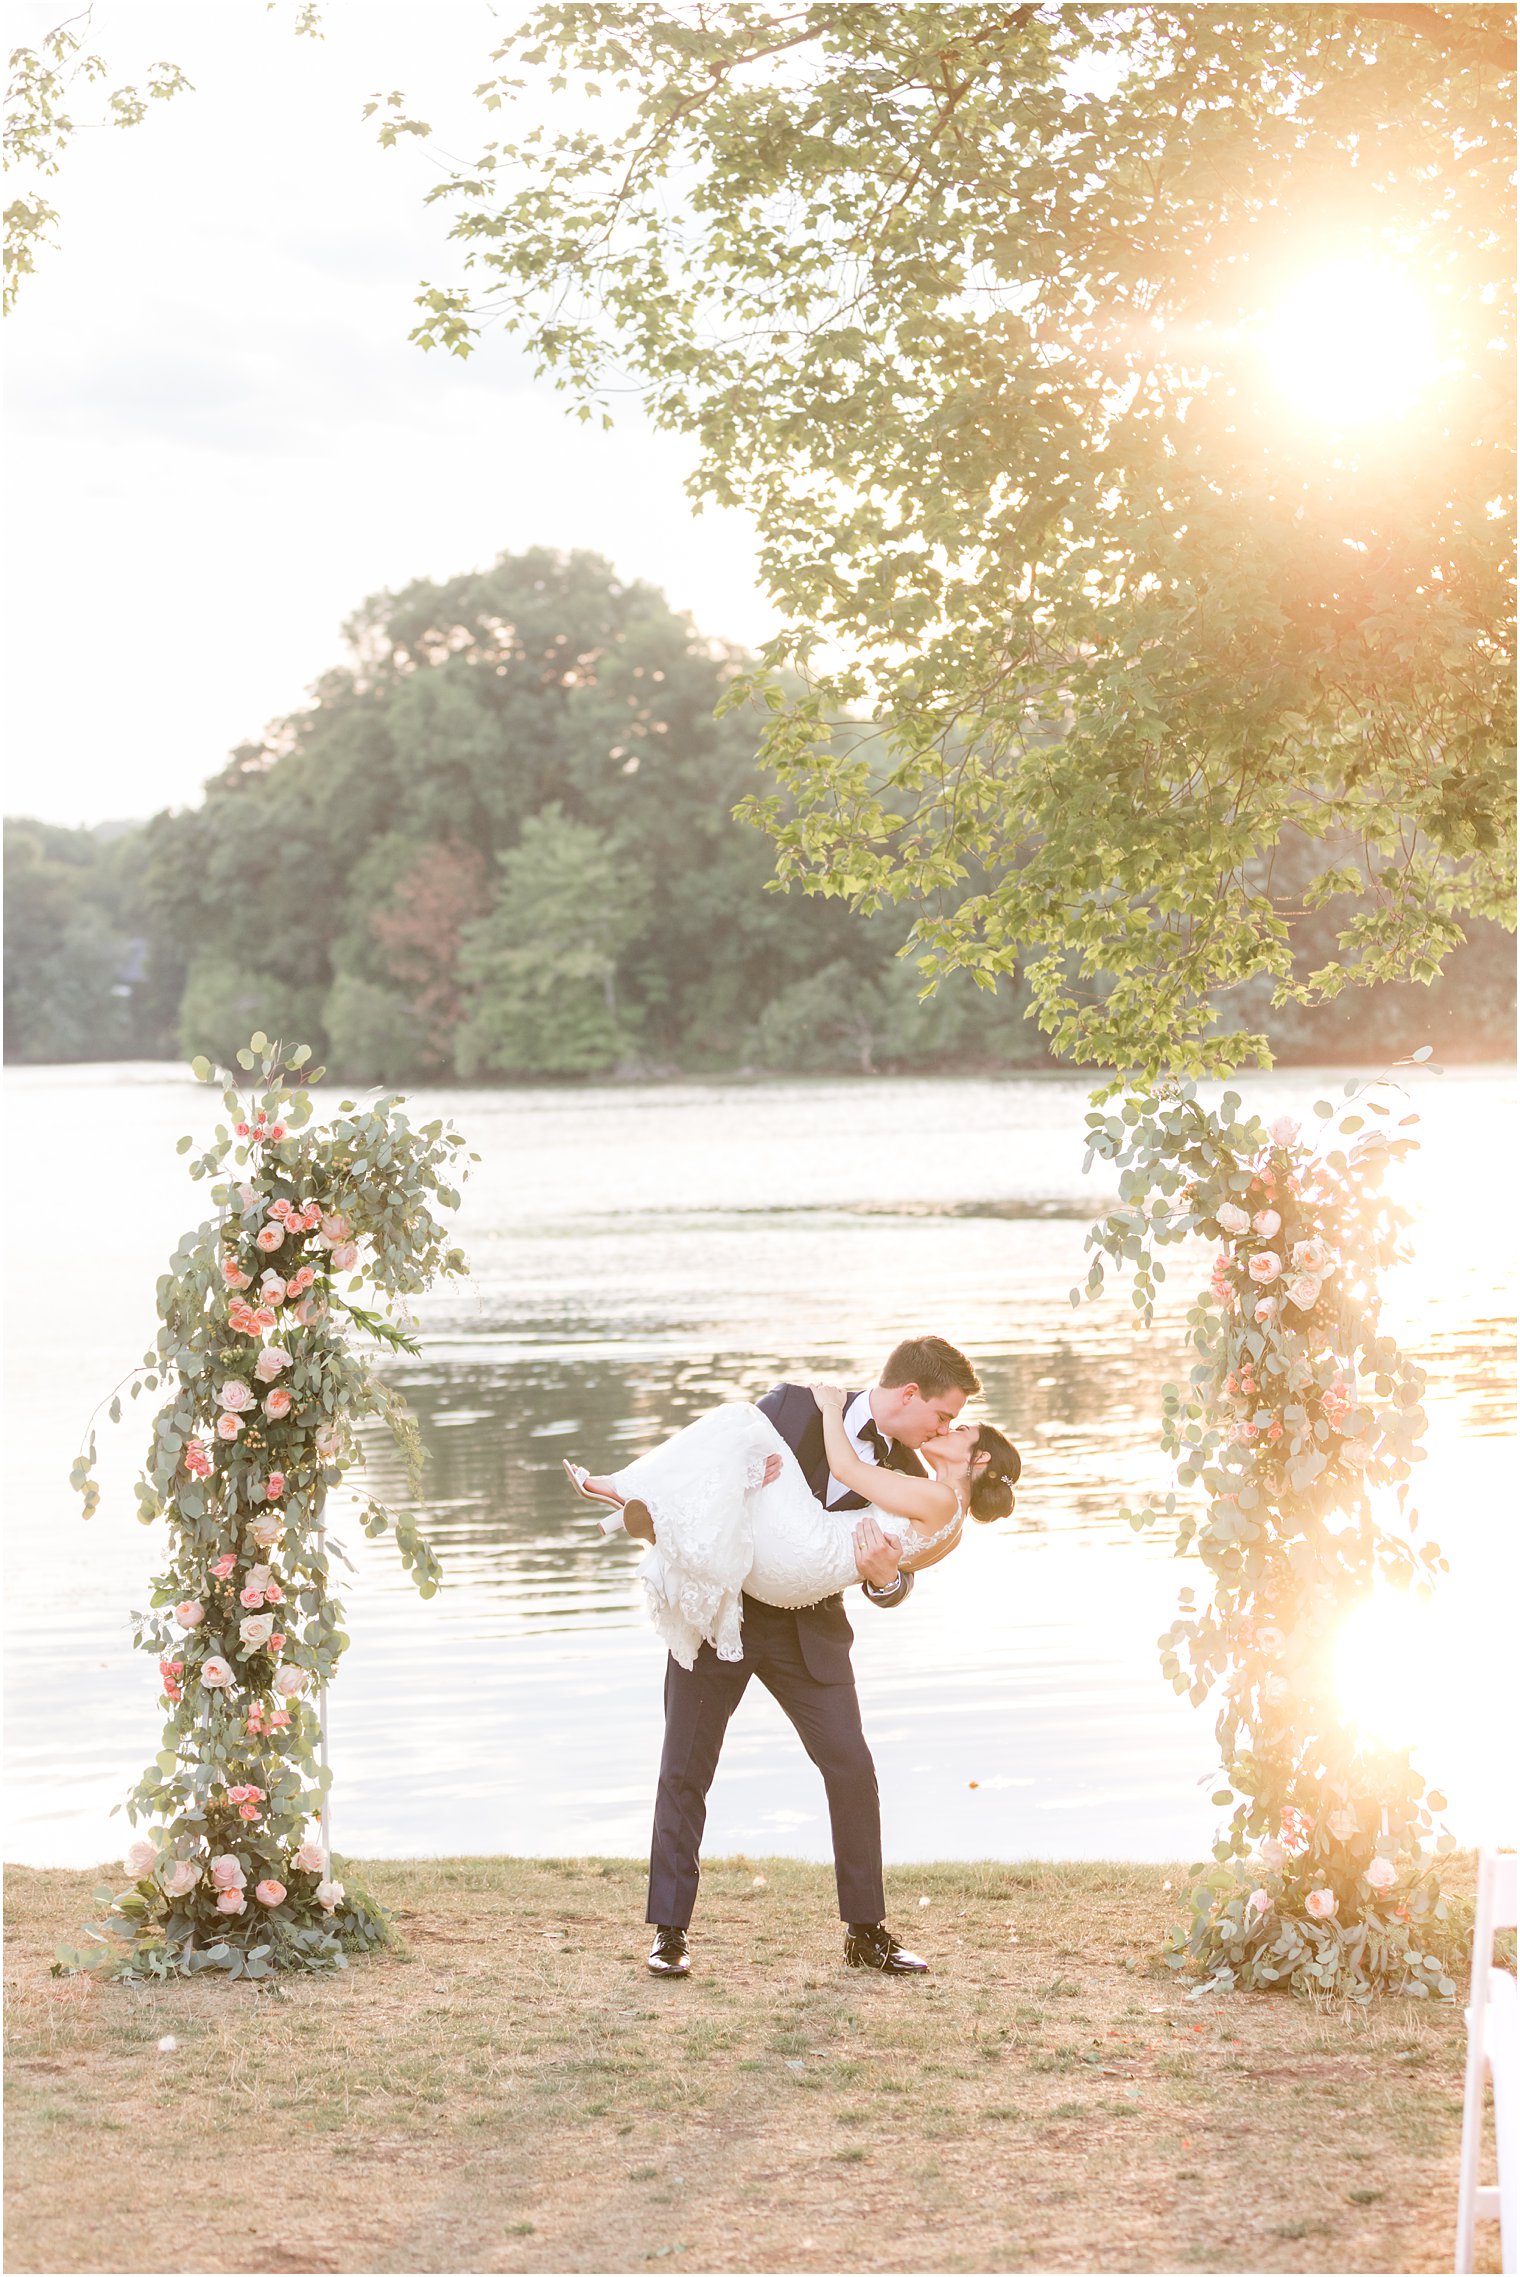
(1493,2052)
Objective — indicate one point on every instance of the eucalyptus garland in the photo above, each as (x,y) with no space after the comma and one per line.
(261,1350)
(1295,1440)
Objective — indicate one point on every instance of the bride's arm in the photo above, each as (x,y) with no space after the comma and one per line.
(922,1500)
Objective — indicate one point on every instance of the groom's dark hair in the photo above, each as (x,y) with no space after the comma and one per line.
(933,1365)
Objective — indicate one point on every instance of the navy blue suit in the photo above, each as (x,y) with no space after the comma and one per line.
(803,1660)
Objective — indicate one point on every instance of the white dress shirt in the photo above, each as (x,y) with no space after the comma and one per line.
(856,1416)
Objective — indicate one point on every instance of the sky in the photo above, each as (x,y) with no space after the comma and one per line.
(218,439)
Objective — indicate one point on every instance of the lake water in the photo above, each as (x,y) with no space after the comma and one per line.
(638,1254)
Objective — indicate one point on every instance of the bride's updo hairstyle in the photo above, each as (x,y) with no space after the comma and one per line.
(992,1486)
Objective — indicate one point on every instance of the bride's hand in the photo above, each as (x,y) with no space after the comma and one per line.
(830,1397)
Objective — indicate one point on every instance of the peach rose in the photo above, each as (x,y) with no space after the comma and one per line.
(267,1528)
(1320,1905)
(233,1276)
(1303,1291)
(227,1872)
(181,1877)
(1259,1901)
(1311,1257)
(231,1901)
(256,1631)
(1232,1219)
(1267,1309)
(189,1613)
(269,1237)
(270,1361)
(277,1405)
(141,1860)
(1265,1265)
(345,1257)
(216,1672)
(329,1895)
(1382,1873)
(270,1893)
(228,1426)
(1266,1223)
(327,1441)
(290,1682)
(1271,1639)
(336,1229)
(308,1858)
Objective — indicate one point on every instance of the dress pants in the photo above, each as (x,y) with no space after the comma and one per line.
(826,1716)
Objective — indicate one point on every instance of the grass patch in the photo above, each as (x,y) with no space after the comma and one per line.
(506,2089)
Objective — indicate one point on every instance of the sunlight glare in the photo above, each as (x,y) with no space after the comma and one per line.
(1384,1665)
(1352,341)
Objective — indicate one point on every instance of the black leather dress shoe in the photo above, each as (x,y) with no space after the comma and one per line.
(870,1945)
(668,1955)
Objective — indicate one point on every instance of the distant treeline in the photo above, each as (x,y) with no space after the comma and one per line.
(500,844)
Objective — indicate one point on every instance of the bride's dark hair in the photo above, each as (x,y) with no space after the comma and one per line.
(992,1486)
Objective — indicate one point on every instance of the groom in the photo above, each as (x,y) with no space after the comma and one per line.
(803,1659)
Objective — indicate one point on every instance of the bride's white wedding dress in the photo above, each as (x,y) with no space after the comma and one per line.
(720,1532)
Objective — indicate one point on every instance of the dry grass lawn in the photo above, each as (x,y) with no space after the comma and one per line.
(510,2091)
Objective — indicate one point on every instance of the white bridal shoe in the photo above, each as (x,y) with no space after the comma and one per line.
(609,1505)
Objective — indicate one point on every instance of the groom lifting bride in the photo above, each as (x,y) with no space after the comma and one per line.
(758,1517)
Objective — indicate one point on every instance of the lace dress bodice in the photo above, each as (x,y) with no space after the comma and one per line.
(719,1532)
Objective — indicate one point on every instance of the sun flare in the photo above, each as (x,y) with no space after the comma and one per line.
(1351,342)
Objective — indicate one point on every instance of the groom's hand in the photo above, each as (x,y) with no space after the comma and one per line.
(772,1470)
(877,1555)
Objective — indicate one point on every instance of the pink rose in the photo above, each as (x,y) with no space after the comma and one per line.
(279,1719)
(256,1631)
(327,1441)
(190,1613)
(270,1893)
(1271,1639)
(1266,1223)
(181,1877)
(309,1311)
(1356,1452)
(259,1577)
(1284,1130)
(274,1594)
(231,1901)
(269,1237)
(216,1672)
(277,1642)
(141,1860)
(345,1256)
(336,1229)
(236,1396)
(250,1811)
(198,1461)
(1265,1265)
(233,1277)
(1265,1310)
(1382,1873)
(329,1895)
(270,1361)
(267,1528)
(224,1565)
(252,1598)
(271,1287)
(1272,1854)
(277,1405)
(1311,1257)
(1259,1901)
(227,1872)
(1320,1905)
(1232,1219)
(290,1682)
(274,1485)
(309,1858)
(228,1426)
(1303,1291)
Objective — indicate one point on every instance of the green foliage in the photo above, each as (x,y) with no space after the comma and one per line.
(967,310)
(226,998)
(1300,1427)
(79,982)
(373,1033)
(541,969)
(266,1380)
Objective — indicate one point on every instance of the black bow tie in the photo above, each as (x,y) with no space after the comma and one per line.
(870,1432)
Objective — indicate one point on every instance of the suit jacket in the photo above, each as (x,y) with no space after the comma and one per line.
(823,1630)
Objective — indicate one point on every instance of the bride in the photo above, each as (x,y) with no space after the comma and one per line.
(727,1509)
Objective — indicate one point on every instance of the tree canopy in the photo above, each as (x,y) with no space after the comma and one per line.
(1115,667)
